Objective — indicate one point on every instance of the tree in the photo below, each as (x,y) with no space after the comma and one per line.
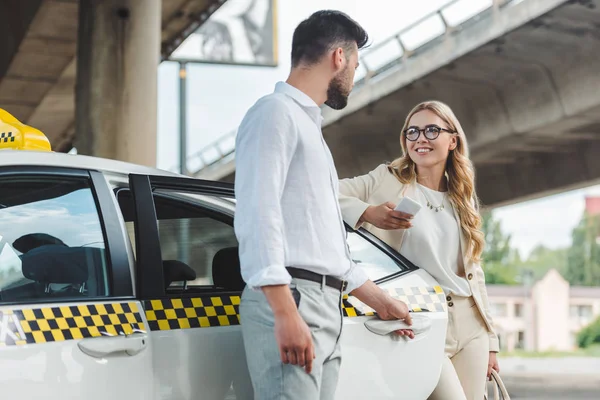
(499,259)
(497,244)
(589,335)
(583,258)
(542,259)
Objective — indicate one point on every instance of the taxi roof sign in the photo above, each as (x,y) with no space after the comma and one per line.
(14,135)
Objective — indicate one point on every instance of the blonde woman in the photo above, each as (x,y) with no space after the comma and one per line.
(443,238)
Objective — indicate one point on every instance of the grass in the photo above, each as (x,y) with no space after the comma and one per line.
(592,351)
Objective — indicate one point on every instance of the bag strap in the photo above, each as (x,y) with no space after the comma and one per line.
(501,385)
(499,390)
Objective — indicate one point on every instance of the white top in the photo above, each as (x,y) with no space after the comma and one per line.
(286,186)
(433,242)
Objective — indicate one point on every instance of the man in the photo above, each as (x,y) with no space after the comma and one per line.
(293,252)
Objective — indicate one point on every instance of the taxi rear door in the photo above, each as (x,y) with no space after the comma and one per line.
(70,326)
(377,364)
(190,285)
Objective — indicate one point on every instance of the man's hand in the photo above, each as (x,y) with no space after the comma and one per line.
(383,216)
(386,307)
(291,332)
(396,309)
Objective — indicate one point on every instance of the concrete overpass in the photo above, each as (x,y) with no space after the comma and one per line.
(102,56)
(522,76)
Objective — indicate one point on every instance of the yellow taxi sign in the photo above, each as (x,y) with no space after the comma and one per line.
(15,135)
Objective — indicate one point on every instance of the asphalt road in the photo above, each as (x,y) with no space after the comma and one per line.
(569,378)
(531,387)
(553,387)
(547,378)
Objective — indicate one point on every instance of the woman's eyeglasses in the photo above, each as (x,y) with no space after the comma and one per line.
(431,132)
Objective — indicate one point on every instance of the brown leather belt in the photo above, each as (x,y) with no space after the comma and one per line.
(330,281)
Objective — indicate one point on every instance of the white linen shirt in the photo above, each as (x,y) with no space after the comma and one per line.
(286,187)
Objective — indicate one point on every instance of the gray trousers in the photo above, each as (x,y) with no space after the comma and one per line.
(320,307)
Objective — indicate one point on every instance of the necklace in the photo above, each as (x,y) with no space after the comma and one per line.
(431,206)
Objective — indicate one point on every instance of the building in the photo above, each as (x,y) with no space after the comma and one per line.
(544,317)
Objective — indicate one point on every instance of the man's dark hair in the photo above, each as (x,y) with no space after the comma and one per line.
(323,31)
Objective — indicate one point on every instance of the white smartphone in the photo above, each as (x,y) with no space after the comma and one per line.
(408,206)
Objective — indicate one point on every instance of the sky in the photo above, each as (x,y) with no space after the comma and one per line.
(218,97)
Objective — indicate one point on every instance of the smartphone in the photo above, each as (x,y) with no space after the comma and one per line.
(408,206)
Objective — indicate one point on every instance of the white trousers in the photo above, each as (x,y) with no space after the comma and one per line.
(320,307)
(464,368)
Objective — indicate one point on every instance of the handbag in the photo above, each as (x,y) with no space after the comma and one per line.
(498,389)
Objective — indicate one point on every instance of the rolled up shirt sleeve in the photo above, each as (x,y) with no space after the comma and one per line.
(265,145)
(356,277)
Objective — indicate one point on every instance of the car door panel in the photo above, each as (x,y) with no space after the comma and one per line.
(68,321)
(49,357)
(393,366)
(197,341)
(386,366)
(201,335)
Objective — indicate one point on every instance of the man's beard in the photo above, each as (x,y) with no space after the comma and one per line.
(337,96)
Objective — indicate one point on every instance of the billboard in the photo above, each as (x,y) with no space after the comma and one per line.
(240,32)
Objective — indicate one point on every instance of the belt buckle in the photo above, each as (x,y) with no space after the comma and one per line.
(344,285)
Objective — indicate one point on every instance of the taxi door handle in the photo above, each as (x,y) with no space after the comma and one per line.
(103,346)
(421,324)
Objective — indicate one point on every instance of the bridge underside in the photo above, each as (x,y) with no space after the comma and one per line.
(529,102)
(38,63)
(525,85)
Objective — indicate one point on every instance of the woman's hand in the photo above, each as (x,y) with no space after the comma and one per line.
(492,364)
(383,216)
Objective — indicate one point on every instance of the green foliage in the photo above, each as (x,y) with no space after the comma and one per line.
(583,258)
(590,335)
(543,259)
(591,351)
(497,244)
(579,264)
(500,261)
(501,274)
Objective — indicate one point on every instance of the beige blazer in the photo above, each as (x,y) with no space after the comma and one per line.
(380,186)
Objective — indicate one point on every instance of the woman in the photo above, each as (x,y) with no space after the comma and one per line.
(443,238)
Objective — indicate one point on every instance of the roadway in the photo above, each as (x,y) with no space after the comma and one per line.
(568,378)
(553,388)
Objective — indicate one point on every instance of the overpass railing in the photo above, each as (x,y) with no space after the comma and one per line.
(375,61)
(422,34)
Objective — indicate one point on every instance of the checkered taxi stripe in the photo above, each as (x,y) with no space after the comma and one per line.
(6,137)
(56,324)
(201,312)
(212,311)
(418,299)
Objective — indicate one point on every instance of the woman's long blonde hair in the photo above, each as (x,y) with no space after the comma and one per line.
(460,173)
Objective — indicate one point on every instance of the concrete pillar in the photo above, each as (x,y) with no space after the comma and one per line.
(117,70)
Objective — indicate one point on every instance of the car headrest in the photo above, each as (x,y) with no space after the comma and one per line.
(33,240)
(226,270)
(176,271)
(54,263)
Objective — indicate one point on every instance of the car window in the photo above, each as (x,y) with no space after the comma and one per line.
(197,241)
(52,244)
(374,261)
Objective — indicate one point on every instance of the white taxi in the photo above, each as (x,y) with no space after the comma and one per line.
(122,281)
